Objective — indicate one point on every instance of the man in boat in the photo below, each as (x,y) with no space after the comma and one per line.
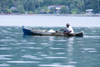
(68,29)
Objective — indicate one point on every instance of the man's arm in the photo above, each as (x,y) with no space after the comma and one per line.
(68,32)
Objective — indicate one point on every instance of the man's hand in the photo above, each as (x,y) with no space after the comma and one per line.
(67,32)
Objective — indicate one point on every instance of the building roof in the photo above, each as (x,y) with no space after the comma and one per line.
(89,10)
(13,8)
(56,6)
(51,6)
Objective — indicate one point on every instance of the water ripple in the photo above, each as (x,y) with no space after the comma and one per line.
(3,65)
(57,48)
(55,65)
(89,50)
(31,57)
(32,47)
(94,37)
(55,57)
(22,62)
(9,40)
(5,48)
(49,51)
(60,53)
(6,55)
(3,57)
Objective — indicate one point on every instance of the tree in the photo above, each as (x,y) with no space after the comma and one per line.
(5,3)
(7,11)
(72,6)
(74,11)
(64,10)
(79,4)
(30,12)
(31,5)
(52,10)
(39,1)
(98,6)
(21,8)
(46,10)
(38,10)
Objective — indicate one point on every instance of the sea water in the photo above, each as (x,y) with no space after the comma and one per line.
(18,50)
(48,21)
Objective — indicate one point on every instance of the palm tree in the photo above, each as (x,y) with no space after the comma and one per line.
(39,1)
(34,1)
(26,5)
(98,6)
(4,4)
(80,4)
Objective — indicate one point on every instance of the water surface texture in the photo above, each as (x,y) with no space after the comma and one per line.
(17,50)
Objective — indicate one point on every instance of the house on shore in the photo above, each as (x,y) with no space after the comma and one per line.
(57,8)
(89,11)
(13,8)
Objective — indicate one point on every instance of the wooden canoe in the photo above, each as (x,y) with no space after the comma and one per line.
(39,32)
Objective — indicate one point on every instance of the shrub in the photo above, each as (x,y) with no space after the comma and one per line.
(75,11)
(52,10)
(7,11)
(21,8)
(30,12)
(23,11)
(36,11)
(64,10)
(15,11)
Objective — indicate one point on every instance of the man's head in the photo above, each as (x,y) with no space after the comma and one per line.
(67,25)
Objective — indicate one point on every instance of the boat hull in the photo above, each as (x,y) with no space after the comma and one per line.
(46,33)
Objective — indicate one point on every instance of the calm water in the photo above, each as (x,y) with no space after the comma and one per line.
(17,50)
(48,21)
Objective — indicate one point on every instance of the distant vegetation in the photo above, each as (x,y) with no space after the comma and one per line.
(41,6)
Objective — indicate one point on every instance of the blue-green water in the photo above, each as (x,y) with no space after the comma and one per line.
(17,50)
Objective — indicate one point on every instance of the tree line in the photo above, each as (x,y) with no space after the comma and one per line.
(41,6)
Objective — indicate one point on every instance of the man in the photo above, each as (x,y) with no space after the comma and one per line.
(68,30)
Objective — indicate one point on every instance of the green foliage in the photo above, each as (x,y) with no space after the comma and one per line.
(52,10)
(15,11)
(75,6)
(21,8)
(7,11)
(0,8)
(30,12)
(64,10)
(23,11)
(74,11)
(72,6)
(45,9)
(36,11)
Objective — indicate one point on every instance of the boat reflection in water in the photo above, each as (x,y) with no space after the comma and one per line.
(55,51)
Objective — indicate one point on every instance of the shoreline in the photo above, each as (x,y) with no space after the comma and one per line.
(73,15)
